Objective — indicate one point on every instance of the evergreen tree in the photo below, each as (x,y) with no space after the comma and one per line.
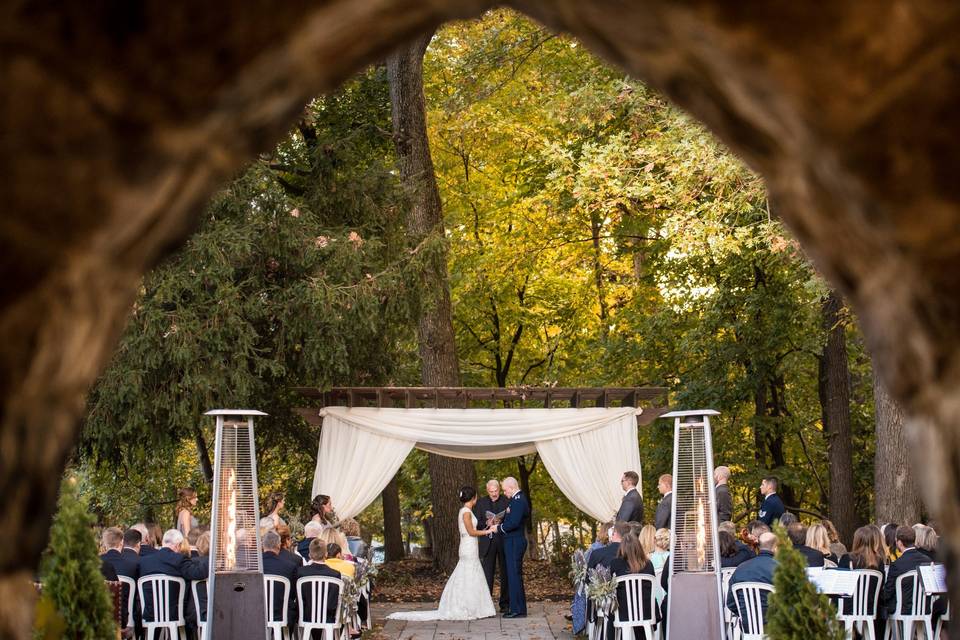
(74,595)
(796,611)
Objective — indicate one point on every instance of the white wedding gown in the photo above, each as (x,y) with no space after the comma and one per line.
(465,596)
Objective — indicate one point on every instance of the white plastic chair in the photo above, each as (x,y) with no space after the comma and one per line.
(277,626)
(160,600)
(901,625)
(942,622)
(131,594)
(863,605)
(636,602)
(319,588)
(733,631)
(202,622)
(748,598)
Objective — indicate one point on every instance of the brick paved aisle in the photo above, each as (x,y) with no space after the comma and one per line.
(544,621)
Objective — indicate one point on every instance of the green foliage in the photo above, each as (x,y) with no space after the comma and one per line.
(74,595)
(299,275)
(795,611)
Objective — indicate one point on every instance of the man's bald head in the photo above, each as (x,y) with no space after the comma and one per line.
(510,486)
(768,542)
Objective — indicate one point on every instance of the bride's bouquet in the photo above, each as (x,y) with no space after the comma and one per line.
(602,590)
(578,571)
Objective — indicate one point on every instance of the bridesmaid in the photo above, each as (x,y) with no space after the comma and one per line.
(275,503)
(186,503)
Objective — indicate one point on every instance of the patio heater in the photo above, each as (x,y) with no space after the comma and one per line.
(695,584)
(236,607)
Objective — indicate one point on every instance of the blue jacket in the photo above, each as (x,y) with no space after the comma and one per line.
(771,509)
(515,522)
(759,569)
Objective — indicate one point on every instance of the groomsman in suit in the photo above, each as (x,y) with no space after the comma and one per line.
(772,506)
(631,509)
(721,475)
(491,547)
(514,529)
(661,520)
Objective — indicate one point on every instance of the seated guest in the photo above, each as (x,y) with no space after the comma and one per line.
(787,519)
(274,565)
(661,548)
(286,543)
(648,538)
(203,559)
(926,539)
(798,536)
(317,567)
(732,553)
(351,530)
(146,541)
(750,535)
(310,531)
(168,560)
(131,547)
(111,540)
(819,539)
(192,538)
(759,569)
(909,559)
(889,532)
(605,555)
(631,560)
(330,535)
(336,562)
(837,548)
(868,553)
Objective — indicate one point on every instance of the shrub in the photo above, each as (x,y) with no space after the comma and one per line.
(75,598)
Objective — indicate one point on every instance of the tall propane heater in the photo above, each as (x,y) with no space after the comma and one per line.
(695,584)
(236,607)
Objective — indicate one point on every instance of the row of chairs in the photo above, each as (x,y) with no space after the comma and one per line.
(157,590)
(857,613)
(639,612)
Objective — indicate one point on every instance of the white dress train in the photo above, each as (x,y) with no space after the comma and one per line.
(465,596)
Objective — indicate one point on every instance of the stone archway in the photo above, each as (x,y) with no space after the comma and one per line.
(119,119)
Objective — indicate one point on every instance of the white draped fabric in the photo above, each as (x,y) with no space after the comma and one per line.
(584,450)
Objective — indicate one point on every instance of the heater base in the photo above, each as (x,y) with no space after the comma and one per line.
(694,607)
(239,612)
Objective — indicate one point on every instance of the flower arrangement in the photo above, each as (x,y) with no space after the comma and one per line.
(365,573)
(578,571)
(602,590)
(349,603)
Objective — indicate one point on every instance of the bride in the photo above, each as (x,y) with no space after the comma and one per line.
(465,596)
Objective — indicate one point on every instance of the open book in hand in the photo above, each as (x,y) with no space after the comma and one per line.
(497,517)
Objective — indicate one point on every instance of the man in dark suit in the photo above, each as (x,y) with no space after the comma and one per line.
(631,509)
(605,554)
(772,507)
(131,548)
(721,475)
(514,529)
(112,540)
(168,561)
(910,559)
(759,569)
(274,565)
(491,547)
(316,567)
(661,520)
(798,536)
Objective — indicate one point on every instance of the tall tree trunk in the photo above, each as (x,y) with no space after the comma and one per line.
(392,528)
(895,488)
(834,391)
(438,352)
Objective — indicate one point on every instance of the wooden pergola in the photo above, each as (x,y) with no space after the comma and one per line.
(653,400)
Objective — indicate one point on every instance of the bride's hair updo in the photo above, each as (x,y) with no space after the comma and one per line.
(467,494)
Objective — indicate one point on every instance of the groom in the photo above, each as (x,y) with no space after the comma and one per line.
(514,529)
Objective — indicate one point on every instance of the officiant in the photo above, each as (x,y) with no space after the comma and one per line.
(491,546)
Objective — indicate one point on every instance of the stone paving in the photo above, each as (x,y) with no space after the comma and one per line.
(544,621)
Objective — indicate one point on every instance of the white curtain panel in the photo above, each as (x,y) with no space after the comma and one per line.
(584,450)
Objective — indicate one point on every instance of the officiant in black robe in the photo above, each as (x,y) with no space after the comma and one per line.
(491,546)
